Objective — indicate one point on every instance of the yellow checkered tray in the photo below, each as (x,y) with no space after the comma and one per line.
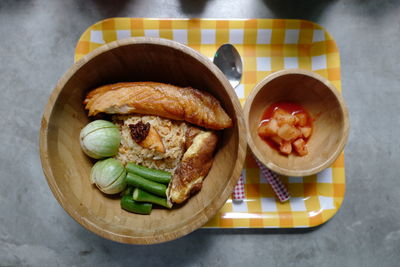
(266,45)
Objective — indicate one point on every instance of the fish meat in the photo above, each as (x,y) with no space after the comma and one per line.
(164,100)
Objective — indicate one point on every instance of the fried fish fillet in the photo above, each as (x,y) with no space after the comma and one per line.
(151,98)
(196,162)
(146,136)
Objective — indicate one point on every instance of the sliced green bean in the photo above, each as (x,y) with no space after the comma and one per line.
(148,173)
(147,185)
(128,191)
(127,203)
(142,196)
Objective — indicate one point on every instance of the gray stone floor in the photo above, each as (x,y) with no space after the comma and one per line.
(37,40)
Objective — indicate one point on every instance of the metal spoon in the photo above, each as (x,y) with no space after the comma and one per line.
(228,60)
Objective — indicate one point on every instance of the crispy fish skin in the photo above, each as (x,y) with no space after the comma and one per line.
(151,98)
(194,167)
(190,134)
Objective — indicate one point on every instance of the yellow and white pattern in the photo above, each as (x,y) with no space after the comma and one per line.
(266,46)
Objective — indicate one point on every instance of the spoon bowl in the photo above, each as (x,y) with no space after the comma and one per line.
(228,60)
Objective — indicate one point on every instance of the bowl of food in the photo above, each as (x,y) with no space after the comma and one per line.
(296,122)
(143,140)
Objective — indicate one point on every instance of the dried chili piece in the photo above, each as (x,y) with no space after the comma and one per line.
(139,131)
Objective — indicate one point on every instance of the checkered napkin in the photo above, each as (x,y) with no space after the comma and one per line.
(280,190)
(276,184)
(238,191)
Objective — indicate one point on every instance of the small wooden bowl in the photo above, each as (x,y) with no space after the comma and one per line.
(325,105)
(67,168)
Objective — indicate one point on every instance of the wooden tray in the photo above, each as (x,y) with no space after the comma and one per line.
(266,45)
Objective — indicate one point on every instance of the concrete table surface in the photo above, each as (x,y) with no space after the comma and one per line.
(37,40)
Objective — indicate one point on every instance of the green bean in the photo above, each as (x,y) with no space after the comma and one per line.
(127,203)
(142,196)
(149,186)
(148,173)
(128,191)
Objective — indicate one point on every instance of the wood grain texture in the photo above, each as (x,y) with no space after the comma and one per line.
(67,168)
(325,105)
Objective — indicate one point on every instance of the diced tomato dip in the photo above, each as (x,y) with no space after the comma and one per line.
(286,127)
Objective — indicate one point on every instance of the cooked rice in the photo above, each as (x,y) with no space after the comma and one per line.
(172,134)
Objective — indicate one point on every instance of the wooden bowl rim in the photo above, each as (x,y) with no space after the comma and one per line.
(201,217)
(268,163)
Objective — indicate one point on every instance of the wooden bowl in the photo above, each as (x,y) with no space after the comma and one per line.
(325,105)
(67,168)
